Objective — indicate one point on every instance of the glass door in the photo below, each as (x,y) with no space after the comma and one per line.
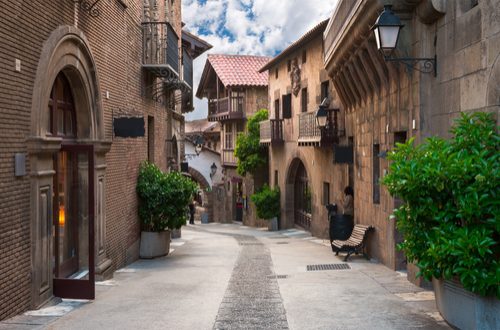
(73,262)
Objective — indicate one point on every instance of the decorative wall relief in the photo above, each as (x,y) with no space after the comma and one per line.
(295,77)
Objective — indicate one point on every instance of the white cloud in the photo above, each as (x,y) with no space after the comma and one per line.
(249,27)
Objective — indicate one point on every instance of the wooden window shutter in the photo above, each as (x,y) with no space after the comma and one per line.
(287,106)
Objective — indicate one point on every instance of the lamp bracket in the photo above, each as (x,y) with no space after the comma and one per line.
(89,6)
(428,63)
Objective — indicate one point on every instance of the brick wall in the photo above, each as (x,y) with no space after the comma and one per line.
(115,40)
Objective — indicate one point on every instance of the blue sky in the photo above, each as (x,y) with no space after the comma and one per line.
(249,27)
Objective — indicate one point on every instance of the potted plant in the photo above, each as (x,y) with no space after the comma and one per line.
(163,199)
(450,218)
(267,203)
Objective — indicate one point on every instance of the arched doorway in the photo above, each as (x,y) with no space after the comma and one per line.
(67,148)
(73,199)
(298,190)
(302,198)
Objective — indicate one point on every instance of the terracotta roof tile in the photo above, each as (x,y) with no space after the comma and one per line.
(240,70)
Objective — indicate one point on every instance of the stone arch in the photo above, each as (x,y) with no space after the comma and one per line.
(207,192)
(67,50)
(198,177)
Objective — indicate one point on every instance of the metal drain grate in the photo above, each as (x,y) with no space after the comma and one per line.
(280,277)
(328,267)
(282,243)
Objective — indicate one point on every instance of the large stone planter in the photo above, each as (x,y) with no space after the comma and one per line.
(466,310)
(273,224)
(154,244)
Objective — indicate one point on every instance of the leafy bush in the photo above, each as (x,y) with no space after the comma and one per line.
(163,198)
(251,155)
(267,202)
(450,218)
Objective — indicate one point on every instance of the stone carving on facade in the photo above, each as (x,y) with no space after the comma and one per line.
(295,77)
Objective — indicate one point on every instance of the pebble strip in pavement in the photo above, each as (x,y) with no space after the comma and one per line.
(252,299)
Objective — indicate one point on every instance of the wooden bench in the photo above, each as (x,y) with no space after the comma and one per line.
(354,244)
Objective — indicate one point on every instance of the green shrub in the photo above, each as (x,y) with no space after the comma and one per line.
(251,155)
(450,218)
(163,198)
(267,202)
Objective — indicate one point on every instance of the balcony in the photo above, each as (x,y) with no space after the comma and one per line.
(160,54)
(226,108)
(228,158)
(311,135)
(271,132)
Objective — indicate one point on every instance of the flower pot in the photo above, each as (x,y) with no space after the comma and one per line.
(273,224)
(175,233)
(154,244)
(463,309)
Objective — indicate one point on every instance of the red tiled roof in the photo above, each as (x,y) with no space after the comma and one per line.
(239,70)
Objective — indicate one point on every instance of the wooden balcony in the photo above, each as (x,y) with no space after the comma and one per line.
(311,135)
(226,108)
(271,132)
(160,49)
(228,158)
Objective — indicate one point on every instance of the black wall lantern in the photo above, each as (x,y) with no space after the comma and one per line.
(386,30)
(322,114)
(213,170)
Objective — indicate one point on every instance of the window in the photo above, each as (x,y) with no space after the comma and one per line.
(277,109)
(276,73)
(237,101)
(289,65)
(228,142)
(304,100)
(276,183)
(326,193)
(151,139)
(62,116)
(376,174)
(324,90)
(304,56)
(287,106)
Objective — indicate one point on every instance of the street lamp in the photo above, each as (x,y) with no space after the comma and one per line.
(386,30)
(322,113)
(213,170)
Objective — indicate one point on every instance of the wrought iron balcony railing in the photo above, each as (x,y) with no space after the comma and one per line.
(226,108)
(311,135)
(160,52)
(271,131)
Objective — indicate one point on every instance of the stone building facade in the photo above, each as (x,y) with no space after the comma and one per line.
(300,154)
(387,102)
(86,96)
(235,90)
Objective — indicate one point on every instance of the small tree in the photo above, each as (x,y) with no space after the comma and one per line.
(251,155)
(163,198)
(450,218)
(267,202)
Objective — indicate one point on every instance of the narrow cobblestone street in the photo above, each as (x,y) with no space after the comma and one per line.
(234,277)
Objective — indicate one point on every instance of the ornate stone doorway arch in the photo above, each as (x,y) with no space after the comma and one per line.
(65,54)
